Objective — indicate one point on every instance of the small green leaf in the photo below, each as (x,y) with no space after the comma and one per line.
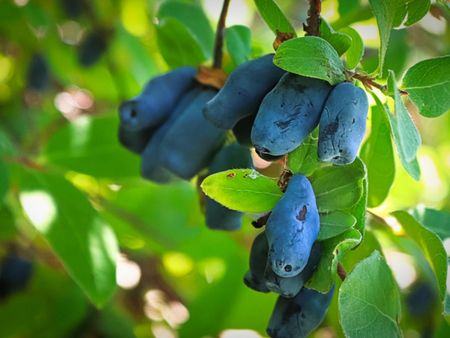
(378,155)
(310,56)
(177,44)
(85,244)
(356,51)
(238,42)
(416,10)
(274,17)
(332,250)
(339,40)
(369,300)
(304,160)
(244,190)
(194,19)
(427,84)
(437,221)
(429,243)
(334,224)
(338,187)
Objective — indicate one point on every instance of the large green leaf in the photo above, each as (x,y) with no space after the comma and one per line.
(193,17)
(177,44)
(437,221)
(83,242)
(335,223)
(331,251)
(369,301)
(428,86)
(355,52)
(310,56)
(338,187)
(238,40)
(429,243)
(274,17)
(90,146)
(243,190)
(378,155)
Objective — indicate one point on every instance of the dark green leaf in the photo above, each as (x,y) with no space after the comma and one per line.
(83,242)
(238,42)
(335,223)
(339,40)
(274,17)
(177,44)
(429,243)
(195,20)
(304,160)
(338,187)
(437,221)
(356,51)
(332,250)
(90,146)
(427,84)
(416,10)
(369,300)
(243,190)
(310,56)
(378,155)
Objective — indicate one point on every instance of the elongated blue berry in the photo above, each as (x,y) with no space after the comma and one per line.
(254,278)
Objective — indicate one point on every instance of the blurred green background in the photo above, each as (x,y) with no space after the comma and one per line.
(63,171)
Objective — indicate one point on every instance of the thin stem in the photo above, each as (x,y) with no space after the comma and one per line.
(369,82)
(218,47)
(312,26)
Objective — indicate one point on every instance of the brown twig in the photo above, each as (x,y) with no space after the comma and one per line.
(341,272)
(312,26)
(218,46)
(369,82)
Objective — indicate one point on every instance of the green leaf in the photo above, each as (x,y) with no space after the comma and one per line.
(177,44)
(310,56)
(355,52)
(378,155)
(437,221)
(339,40)
(369,300)
(274,17)
(4,179)
(385,12)
(82,241)
(90,146)
(304,160)
(338,187)
(416,10)
(347,6)
(397,52)
(244,190)
(427,84)
(359,209)
(429,243)
(238,40)
(8,228)
(334,224)
(332,250)
(194,19)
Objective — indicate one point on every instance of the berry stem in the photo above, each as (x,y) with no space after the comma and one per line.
(312,26)
(369,82)
(218,47)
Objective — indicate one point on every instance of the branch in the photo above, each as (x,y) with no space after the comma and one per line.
(312,26)
(369,82)
(218,47)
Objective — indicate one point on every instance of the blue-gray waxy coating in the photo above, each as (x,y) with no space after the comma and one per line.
(298,317)
(289,287)
(288,114)
(151,166)
(135,140)
(243,92)
(292,228)
(254,278)
(192,140)
(342,124)
(232,156)
(158,99)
